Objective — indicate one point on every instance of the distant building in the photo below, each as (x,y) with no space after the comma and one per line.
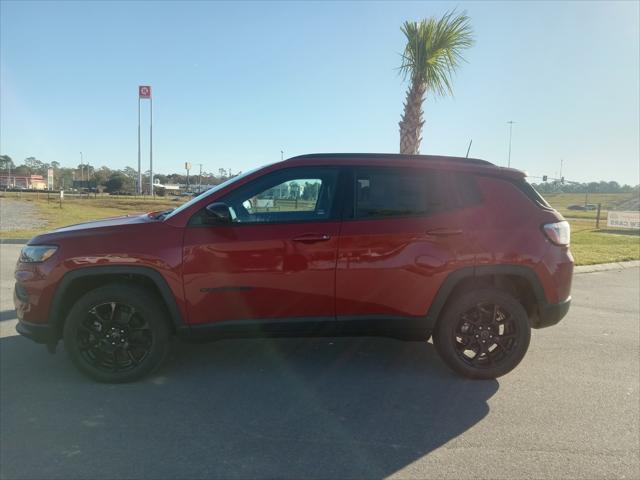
(26,182)
(165,189)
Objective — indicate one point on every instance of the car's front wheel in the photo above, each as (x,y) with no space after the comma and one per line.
(483,333)
(116,333)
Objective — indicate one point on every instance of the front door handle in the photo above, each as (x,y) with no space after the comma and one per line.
(312,238)
(444,232)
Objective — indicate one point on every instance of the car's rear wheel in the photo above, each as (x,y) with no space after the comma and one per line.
(116,333)
(483,334)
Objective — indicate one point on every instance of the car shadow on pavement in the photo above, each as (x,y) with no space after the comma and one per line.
(247,408)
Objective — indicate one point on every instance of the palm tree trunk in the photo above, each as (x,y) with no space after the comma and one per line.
(412,122)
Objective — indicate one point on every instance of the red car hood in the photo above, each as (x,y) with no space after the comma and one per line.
(95,226)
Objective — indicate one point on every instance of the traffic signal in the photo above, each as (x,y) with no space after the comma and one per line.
(562,180)
(544,178)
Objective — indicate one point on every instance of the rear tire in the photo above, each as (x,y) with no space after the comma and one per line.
(117,333)
(483,334)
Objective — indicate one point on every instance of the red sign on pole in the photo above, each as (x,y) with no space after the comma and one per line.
(144,91)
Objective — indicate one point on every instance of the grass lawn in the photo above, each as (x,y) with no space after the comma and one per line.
(560,201)
(588,244)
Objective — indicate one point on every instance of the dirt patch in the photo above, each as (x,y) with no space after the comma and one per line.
(17,215)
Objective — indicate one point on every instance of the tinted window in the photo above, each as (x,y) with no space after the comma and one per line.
(385,192)
(533,194)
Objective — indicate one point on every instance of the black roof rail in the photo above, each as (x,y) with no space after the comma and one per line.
(473,161)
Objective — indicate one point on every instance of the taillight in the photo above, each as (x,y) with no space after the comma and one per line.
(559,232)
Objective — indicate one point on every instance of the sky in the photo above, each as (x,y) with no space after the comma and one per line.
(236,83)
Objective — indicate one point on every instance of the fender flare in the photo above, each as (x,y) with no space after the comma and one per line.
(455,277)
(156,277)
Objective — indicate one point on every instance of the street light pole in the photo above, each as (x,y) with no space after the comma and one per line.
(200,179)
(510,122)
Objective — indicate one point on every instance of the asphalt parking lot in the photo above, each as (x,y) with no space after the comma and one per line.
(336,408)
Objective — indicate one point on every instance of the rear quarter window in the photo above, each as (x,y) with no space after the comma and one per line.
(532,194)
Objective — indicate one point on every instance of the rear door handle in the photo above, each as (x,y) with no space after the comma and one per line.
(444,232)
(312,238)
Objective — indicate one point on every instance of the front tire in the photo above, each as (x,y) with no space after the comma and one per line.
(483,334)
(116,333)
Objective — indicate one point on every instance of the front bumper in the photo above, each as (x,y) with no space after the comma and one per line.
(550,314)
(39,333)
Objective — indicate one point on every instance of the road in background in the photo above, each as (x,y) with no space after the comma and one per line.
(336,408)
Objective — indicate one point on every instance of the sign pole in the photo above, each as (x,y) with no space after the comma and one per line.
(139,164)
(144,91)
(151,146)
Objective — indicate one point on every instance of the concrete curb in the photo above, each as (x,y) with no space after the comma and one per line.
(603,267)
(13,241)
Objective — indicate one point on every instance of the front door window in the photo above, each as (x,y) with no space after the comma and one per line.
(294,195)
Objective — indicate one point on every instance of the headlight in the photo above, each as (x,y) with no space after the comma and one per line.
(37,253)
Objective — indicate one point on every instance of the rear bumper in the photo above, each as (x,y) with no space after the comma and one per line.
(550,314)
(39,333)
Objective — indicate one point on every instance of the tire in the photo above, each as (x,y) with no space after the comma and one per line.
(117,333)
(483,334)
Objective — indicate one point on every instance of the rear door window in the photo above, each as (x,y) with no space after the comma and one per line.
(399,192)
(382,193)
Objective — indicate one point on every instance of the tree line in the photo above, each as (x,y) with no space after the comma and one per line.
(124,180)
(590,187)
(104,178)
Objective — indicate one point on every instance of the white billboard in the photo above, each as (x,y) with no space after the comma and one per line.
(624,220)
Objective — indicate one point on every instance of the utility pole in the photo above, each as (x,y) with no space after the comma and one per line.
(187,167)
(510,122)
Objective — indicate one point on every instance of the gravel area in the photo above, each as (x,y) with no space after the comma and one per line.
(17,215)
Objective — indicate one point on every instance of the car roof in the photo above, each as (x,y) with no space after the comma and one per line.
(390,156)
(395,159)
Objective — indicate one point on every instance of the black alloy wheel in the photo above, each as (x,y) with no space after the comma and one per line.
(117,333)
(114,337)
(483,334)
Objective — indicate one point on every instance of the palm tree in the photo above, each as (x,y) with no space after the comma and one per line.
(433,53)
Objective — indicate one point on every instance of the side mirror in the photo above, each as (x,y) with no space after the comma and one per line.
(218,213)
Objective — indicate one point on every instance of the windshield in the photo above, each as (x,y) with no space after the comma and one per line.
(209,192)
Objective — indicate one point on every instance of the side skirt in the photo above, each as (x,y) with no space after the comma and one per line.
(402,328)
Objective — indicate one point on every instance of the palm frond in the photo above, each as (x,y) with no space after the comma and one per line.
(434,50)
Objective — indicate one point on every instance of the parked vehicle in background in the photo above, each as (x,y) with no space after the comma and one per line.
(411,247)
(583,207)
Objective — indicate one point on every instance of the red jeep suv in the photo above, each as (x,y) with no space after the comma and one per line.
(411,247)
